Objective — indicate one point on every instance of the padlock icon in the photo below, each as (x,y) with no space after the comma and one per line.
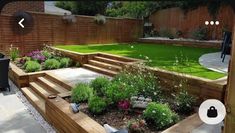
(212,112)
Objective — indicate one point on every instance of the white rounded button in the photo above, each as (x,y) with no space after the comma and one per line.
(212,111)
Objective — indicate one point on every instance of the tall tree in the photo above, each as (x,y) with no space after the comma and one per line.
(84,7)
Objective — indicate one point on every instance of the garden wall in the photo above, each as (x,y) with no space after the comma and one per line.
(51,29)
(175,19)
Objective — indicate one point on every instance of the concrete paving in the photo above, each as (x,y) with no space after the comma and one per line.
(14,117)
(73,76)
(204,128)
(213,62)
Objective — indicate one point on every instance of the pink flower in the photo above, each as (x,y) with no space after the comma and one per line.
(125,104)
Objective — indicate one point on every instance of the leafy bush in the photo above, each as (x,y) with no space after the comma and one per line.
(118,91)
(100,19)
(65,62)
(47,54)
(185,102)
(81,92)
(32,66)
(99,85)
(78,64)
(160,115)
(96,105)
(200,33)
(51,64)
(144,82)
(37,56)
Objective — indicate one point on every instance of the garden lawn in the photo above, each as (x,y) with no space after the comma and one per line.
(174,58)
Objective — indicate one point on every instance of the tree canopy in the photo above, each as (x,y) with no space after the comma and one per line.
(137,9)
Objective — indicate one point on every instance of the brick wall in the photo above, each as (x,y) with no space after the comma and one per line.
(12,7)
(51,29)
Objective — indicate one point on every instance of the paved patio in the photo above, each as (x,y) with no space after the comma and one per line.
(213,62)
(16,116)
(72,76)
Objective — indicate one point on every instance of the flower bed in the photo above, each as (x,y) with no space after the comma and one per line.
(132,100)
(40,60)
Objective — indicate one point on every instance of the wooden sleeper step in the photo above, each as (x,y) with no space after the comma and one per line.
(100,70)
(105,65)
(109,61)
(54,87)
(40,89)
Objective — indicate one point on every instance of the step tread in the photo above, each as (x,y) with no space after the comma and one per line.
(35,98)
(41,89)
(52,85)
(107,59)
(100,69)
(106,64)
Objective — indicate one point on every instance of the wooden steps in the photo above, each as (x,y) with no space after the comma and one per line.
(105,65)
(58,80)
(40,89)
(107,60)
(52,86)
(100,70)
(37,101)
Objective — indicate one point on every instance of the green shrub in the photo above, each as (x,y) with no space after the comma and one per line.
(185,102)
(81,92)
(118,91)
(200,33)
(47,54)
(97,105)
(14,53)
(99,85)
(144,82)
(160,115)
(51,64)
(32,66)
(65,62)
(78,64)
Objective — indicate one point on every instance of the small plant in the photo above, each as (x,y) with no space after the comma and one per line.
(136,126)
(32,66)
(99,85)
(51,64)
(78,64)
(124,105)
(118,91)
(185,102)
(200,33)
(23,60)
(81,92)
(100,19)
(97,105)
(14,53)
(47,54)
(65,62)
(160,115)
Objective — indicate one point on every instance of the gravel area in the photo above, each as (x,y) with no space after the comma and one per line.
(36,115)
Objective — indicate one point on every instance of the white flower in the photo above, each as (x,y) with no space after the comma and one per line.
(154,111)
(132,46)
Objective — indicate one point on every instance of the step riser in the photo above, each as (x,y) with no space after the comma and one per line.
(52,78)
(115,58)
(37,92)
(41,111)
(100,71)
(113,68)
(108,61)
(47,86)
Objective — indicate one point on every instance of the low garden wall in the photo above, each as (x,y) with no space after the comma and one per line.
(200,87)
(183,42)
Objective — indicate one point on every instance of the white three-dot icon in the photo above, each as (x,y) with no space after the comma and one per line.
(212,22)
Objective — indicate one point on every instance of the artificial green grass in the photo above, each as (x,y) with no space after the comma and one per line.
(174,58)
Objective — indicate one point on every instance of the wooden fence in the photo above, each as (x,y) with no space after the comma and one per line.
(51,29)
(175,19)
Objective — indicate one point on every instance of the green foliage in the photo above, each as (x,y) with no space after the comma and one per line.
(144,82)
(78,64)
(81,92)
(160,115)
(47,54)
(100,19)
(118,91)
(99,85)
(14,53)
(97,105)
(32,66)
(200,33)
(185,102)
(84,7)
(65,62)
(51,64)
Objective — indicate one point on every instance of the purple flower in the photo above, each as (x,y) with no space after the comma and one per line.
(124,105)
(37,55)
